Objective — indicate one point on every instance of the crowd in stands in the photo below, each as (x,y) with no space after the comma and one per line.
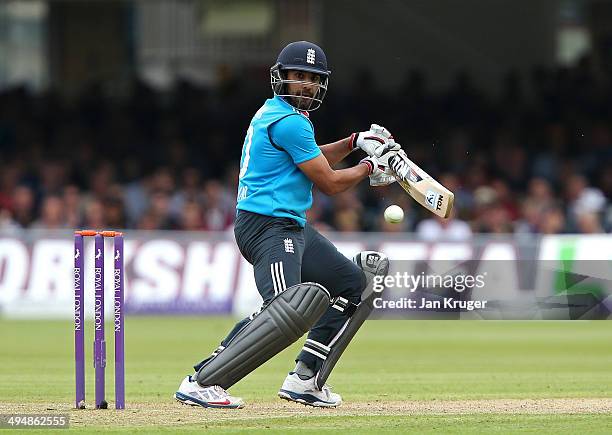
(534,158)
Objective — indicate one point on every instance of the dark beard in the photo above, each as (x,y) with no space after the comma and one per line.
(302,102)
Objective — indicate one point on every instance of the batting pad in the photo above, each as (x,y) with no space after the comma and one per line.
(281,323)
(372,263)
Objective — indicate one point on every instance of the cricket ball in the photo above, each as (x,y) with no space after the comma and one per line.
(394,214)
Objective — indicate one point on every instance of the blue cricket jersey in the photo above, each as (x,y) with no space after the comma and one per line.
(270,182)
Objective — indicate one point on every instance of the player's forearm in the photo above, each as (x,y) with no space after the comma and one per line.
(336,151)
(344,179)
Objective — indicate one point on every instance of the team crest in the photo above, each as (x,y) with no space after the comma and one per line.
(310,56)
(288,245)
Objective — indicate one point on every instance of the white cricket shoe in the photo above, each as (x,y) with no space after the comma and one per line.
(304,391)
(190,393)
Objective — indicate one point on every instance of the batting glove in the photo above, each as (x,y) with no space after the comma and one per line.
(382,179)
(389,157)
(372,164)
(379,173)
(375,142)
(380,130)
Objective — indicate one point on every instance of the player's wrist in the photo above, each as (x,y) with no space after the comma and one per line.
(369,164)
(352,141)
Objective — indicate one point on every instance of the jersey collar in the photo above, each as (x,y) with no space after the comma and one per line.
(302,112)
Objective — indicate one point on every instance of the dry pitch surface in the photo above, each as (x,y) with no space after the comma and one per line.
(161,414)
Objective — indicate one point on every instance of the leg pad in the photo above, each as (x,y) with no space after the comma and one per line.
(281,323)
(373,264)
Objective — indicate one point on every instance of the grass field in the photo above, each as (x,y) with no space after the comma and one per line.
(398,376)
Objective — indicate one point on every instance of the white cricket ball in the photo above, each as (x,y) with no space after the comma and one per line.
(394,214)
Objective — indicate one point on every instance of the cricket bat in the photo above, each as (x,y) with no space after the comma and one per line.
(423,188)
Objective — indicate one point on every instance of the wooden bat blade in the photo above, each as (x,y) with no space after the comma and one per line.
(422,187)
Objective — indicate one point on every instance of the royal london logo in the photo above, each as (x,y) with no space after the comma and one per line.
(288,245)
(310,56)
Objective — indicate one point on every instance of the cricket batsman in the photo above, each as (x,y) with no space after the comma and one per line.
(305,283)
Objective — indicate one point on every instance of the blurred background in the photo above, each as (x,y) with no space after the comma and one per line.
(132,114)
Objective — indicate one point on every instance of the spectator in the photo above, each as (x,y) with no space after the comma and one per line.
(505,198)
(531,212)
(159,212)
(23,206)
(191,217)
(152,159)
(347,211)
(347,220)
(95,217)
(582,199)
(589,223)
(114,212)
(52,214)
(552,221)
(438,229)
(7,224)
(189,191)
(540,191)
(73,206)
(219,211)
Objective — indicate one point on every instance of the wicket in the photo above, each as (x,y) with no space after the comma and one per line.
(79,318)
